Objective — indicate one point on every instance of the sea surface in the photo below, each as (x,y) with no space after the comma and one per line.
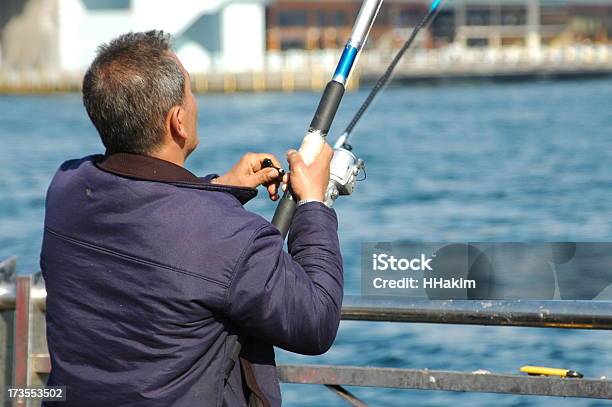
(515,162)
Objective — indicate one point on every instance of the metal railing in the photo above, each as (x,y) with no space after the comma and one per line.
(529,313)
(24,359)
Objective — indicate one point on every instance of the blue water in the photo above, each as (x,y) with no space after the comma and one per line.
(482,162)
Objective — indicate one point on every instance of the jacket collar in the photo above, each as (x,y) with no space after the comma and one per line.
(145,168)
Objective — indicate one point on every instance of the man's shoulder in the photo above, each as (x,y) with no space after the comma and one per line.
(75,166)
(74,163)
(66,174)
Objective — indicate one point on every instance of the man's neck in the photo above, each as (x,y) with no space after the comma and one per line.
(173,156)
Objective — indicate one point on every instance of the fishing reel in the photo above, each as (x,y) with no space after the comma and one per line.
(343,172)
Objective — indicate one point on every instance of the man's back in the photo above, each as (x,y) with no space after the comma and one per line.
(162,290)
(145,280)
(132,290)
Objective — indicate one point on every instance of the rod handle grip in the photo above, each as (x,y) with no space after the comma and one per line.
(312,144)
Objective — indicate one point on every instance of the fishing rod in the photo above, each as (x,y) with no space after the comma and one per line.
(386,76)
(314,140)
(345,166)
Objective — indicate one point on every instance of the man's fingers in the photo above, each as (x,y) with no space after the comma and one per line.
(258,158)
(295,159)
(275,160)
(325,155)
(272,190)
(266,175)
(327,152)
(309,181)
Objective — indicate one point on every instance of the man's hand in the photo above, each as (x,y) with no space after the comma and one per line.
(248,172)
(309,181)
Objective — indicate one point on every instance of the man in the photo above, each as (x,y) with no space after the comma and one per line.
(162,290)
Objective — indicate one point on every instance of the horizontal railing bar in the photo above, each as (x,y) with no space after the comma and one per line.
(531,313)
(578,314)
(444,380)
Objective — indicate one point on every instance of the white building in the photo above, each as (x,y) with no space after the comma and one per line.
(63,35)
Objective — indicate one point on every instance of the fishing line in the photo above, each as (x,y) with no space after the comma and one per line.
(384,78)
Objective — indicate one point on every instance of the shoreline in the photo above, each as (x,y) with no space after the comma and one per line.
(293,82)
(310,71)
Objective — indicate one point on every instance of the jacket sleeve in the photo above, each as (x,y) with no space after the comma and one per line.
(291,301)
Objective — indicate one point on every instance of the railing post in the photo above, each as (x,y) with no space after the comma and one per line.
(21,341)
(30,356)
(7,322)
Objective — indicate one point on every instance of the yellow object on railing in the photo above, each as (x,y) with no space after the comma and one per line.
(549,371)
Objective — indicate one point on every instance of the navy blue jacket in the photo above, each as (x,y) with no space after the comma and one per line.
(149,268)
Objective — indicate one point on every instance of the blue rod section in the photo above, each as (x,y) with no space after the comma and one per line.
(346,64)
(435,5)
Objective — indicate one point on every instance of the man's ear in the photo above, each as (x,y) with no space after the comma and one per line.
(177,123)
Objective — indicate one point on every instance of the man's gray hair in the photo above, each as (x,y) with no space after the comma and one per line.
(129,89)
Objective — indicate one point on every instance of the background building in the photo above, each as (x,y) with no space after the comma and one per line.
(45,45)
(324,24)
(63,34)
